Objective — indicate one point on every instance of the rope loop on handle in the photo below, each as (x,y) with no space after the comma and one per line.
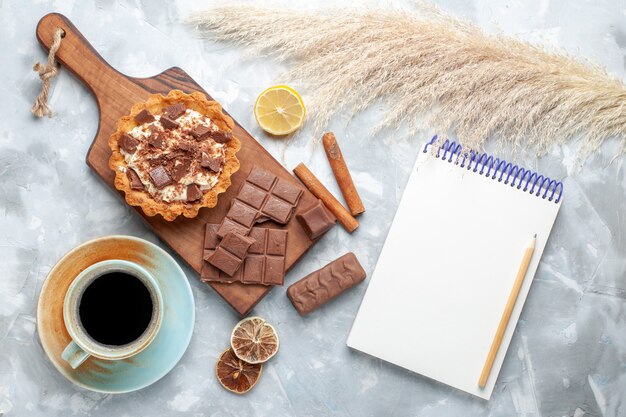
(46,73)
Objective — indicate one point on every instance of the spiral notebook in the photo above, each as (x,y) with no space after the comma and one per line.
(441,283)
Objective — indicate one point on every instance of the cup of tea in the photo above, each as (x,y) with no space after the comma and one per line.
(112,310)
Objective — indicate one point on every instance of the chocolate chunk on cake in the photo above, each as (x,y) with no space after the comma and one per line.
(168,123)
(144,116)
(156,140)
(186,146)
(210,162)
(221,137)
(194,193)
(128,144)
(180,169)
(135,181)
(160,177)
(174,111)
(200,131)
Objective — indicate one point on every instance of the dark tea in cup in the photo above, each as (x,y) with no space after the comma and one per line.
(115,309)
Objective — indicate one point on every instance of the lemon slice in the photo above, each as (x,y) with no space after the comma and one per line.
(254,340)
(236,375)
(279,110)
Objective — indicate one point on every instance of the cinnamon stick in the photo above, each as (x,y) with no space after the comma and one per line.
(318,190)
(342,174)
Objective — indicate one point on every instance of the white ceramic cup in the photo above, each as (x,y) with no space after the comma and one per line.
(82,345)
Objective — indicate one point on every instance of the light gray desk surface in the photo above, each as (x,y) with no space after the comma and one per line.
(568,355)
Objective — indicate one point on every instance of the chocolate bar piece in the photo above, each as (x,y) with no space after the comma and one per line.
(209,272)
(264,263)
(168,123)
(194,193)
(156,140)
(207,161)
(174,111)
(200,131)
(220,136)
(262,195)
(135,182)
(160,177)
(317,220)
(128,144)
(321,286)
(144,116)
(186,146)
(180,168)
(230,253)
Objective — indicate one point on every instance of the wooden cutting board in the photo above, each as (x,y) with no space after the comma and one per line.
(115,94)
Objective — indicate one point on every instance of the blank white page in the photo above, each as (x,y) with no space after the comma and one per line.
(446,271)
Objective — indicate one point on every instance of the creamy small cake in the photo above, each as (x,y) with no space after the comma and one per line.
(174,154)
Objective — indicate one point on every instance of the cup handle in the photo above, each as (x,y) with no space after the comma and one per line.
(74,355)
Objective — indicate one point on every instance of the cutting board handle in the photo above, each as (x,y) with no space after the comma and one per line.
(77,55)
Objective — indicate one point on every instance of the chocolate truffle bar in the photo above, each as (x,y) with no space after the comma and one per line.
(264,263)
(262,196)
(321,286)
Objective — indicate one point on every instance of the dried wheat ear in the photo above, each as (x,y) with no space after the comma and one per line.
(436,69)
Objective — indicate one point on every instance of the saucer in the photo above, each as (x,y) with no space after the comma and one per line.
(155,361)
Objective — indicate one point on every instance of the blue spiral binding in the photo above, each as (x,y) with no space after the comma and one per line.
(493,168)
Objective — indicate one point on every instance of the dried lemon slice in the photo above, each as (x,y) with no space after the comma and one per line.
(279,110)
(236,375)
(254,341)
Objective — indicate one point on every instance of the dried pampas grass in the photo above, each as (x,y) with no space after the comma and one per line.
(430,66)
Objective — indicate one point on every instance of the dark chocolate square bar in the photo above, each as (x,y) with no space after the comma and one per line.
(253,268)
(261,178)
(277,209)
(264,261)
(230,253)
(274,270)
(236,244)
(276,243)
(287,191)
(242,214)
(251,195)
(210,236)
(262,196)
(225,261)
(229,225)
(209,272)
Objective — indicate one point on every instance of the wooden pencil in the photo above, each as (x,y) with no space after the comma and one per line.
(504,321)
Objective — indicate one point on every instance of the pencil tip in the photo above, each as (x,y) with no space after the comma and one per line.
(535,236)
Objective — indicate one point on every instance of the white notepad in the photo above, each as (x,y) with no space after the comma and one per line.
(448,265)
